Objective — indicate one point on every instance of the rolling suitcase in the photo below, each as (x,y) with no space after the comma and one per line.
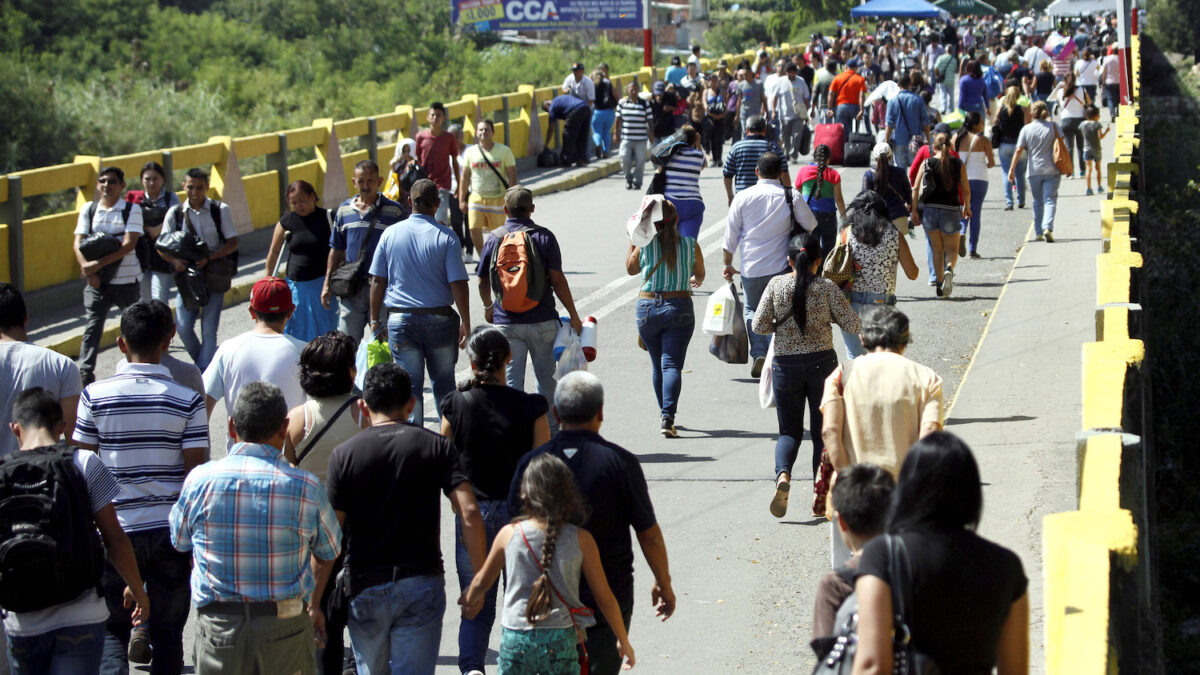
(858,148)
(806,136)
(832,135)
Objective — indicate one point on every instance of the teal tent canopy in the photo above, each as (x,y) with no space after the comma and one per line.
(918,9)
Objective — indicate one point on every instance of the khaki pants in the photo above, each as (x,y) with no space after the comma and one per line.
(235,644)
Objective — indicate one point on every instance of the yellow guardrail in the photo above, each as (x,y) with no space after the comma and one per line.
(1092,554)
(35,253)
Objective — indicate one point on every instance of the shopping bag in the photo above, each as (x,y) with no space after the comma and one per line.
(766,381)
(370,354)
(719,313)
(734,347)
(572,357)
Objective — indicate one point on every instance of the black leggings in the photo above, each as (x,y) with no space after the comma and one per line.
(713,137)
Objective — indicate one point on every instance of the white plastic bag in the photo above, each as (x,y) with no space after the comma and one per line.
(719,314)
(766,381)
(572,357)
(360,365)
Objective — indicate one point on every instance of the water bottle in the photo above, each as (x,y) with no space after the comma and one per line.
(587,339)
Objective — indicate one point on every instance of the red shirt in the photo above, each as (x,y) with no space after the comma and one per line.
(434,153)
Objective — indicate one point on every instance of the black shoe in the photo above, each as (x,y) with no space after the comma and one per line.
(629,186)
(637,186)
(756,369)
(668,428)
(1008,208)
(975,255)
(139,646)
(1020,206)
(1049,237)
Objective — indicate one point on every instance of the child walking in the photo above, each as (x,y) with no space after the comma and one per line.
(543,554)
(1092,133)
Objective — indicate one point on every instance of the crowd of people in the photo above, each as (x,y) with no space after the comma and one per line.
(323,515)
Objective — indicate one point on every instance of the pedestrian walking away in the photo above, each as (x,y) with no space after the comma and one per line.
(941,198)
(798,310)
(1037,140)
(1006,128)
(976,152)
(683,182)
(820,187)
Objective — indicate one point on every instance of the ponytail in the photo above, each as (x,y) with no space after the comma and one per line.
(941,144)
(488,351)
(822,155)
(668,234)
(539,606)
(803,251)
(882,173)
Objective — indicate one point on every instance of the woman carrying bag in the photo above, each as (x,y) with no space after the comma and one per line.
(942,189)
(1038,139)
(799,309)
(670,265)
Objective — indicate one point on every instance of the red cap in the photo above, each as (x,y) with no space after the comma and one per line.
(271,295)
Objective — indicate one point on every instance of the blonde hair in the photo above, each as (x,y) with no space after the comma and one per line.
(1046,66)
(1039,110)
(1010,99)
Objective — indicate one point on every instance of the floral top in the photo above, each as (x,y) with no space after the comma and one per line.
(826,304)
(878,263)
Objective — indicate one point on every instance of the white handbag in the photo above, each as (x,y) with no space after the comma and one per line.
(766,381)
(720,311)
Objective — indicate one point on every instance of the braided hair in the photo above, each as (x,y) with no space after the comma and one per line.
(803,250)
(822,154)
(549,493)
(488,351)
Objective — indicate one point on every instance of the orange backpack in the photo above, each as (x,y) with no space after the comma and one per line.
(518,277)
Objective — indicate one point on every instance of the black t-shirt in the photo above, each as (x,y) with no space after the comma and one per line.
(617,498)
(386,480)
(492,427)
(605,98)
(963,589)
(308,251)
(1044,83)
(664,115)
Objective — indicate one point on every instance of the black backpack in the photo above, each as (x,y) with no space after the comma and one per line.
(214,211)
(50,551)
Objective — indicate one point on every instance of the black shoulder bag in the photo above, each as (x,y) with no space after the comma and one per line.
(96,245)
(349,279)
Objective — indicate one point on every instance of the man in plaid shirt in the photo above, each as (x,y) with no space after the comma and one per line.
(263,538)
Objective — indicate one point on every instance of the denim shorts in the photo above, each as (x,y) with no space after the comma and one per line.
(946,220)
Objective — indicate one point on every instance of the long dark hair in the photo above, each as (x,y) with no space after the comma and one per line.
(548,492)
(487,350)
(972,120)
(941,143)
(883,171)
(1068,85)
(668,234)
(867,214)
(939,487)
(803,251)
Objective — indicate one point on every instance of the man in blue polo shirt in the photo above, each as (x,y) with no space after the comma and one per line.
(577,119)
(357,228)
(531,332)
(742,163)
(417,272)
(907,116)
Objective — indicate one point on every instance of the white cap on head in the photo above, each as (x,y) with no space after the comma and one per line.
(880,150)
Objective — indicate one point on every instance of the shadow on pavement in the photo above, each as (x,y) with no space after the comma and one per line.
(988,420)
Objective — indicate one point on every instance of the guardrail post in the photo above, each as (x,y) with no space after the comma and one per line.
(504,110)
(12,212)
(372,139)
(278,162)
(168,163)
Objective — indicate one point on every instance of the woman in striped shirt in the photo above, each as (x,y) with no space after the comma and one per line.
(683,183)
(670,266)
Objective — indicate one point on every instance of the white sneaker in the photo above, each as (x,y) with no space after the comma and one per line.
(948,282)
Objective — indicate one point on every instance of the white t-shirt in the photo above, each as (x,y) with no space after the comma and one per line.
(23,366)
(792,97)
(89,607)
(1087,72)
(109,221)
(1112,69)
(256,357)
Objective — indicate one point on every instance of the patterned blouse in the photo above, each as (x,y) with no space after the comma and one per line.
(826,304)
(878,273)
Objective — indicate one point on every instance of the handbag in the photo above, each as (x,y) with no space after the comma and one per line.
(906,658)
(735,347)
(580,634)
(840,267)
(218,274)
(1062,154)
(766,381)
(348,280)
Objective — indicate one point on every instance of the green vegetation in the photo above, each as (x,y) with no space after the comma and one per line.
(104,77)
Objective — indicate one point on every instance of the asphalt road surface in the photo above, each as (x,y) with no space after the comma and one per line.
(744,580)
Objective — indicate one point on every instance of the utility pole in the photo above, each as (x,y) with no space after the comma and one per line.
(647,36)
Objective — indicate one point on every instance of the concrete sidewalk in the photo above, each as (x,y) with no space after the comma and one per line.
(62,329)
(1020,403)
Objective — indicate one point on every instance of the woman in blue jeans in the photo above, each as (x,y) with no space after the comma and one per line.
(492,426)
(799,309)
(1037,139)
(670,266)
(1010,118)
(976,152)
(942,189)
(878,248)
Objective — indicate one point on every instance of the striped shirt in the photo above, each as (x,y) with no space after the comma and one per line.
(251,520)
(635,119)
(683,174)
(660,277)
(109,221)
(351,227)
(141,422)
(743,157)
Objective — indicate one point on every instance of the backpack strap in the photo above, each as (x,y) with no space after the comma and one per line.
(214,211)
(91,214)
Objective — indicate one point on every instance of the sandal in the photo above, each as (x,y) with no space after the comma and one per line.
(779,502)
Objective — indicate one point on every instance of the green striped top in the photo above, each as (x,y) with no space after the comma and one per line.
(666,277)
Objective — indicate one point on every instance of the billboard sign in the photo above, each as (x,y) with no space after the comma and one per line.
(485,15)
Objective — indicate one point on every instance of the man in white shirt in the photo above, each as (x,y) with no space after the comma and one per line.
(579,85)
(758,227)
(1035,55)
(264,354)
(790,100)
(114,279)
(212,221)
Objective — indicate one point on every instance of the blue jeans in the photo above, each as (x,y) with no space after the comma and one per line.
(420,340)
(1006,152)
(665,326)
(473,634)
(860,302)
(799,379)
(845,114)
(979,190)
(633,161)
(752,290)
(353,313)
(945,98)
(162,286)
(902,156)
(165,572)
(602,123)
(397,627)
(535,340)
(1044,190)
(201,351)
(74,650)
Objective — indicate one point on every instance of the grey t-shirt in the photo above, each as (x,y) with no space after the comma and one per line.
(1091,135)
(23,366)
(521,568)
(1037,139)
